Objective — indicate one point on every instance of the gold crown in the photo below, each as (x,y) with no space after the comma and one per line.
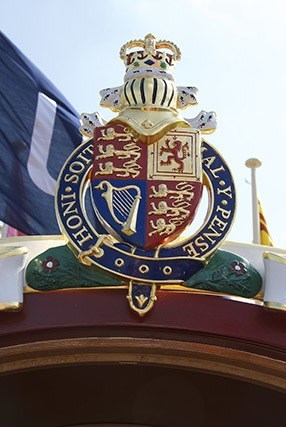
(154,54)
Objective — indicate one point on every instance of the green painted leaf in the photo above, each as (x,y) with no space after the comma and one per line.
(58,268)
(229,273)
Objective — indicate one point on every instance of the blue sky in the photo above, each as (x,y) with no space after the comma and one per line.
(233,51)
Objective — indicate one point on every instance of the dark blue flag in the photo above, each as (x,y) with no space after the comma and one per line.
(38,131)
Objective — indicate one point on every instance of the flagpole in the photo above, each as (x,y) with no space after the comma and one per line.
(253,164)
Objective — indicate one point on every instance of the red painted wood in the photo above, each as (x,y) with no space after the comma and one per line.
(176,315)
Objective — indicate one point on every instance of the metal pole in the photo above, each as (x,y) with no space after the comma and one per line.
(253,164)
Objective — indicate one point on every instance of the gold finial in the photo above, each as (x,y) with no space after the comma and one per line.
(253,163)
(150,43)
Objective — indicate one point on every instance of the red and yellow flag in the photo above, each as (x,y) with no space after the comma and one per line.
(265,237)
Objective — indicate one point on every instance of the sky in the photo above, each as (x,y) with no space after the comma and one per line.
(233,51)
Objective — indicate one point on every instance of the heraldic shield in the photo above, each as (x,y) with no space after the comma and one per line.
(146,169)
(143,194)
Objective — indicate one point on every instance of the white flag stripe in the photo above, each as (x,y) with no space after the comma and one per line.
(40,144)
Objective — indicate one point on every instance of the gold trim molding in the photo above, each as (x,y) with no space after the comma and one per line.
(232,363)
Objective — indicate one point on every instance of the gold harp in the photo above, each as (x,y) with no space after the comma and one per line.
(122,203)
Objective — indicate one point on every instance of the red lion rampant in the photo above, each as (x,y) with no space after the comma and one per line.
(177,154)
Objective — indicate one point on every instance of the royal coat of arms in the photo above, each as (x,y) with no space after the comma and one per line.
(145,171)
(146,193)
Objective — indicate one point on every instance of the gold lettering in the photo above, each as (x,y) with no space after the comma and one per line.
(71,178)
(68,196)
(216,222)
(76,167)
(226,191)
(214,171)
(191,250)
(208,161)
(201,243)
(69,206)
(74,222)
(224,213)
(88,149)
(210,235)
(81,233)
